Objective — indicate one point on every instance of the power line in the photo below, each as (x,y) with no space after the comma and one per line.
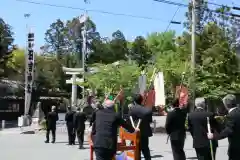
(207,9)
(92,10)
(169,24)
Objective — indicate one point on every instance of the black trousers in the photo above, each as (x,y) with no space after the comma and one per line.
(144,147)
(178,149)
(53,130)
(71,134)
(233,154)
(205,153)
(104,154)
(80,137)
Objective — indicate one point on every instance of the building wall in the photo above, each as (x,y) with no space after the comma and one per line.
(11,109)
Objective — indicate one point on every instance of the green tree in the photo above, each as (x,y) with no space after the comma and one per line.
(170,57)
(110,78)
(101,52)
(218,72)
(140,52)
(6,45)
(75,29)
(118,46)
(56,38)
(16,65)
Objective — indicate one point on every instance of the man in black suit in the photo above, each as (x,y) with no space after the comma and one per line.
(175,128)
(97,106)
(137,111)
(79,125)
(197,125)
(51,122)
(70,126)
(105,130)
(232,128)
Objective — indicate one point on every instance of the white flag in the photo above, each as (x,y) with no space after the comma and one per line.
(83,18)
(159,89)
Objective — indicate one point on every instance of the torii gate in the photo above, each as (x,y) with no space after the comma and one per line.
(74,72)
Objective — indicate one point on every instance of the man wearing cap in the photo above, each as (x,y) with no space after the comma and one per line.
(70,127)
(197,125)
(51,121)
(105,130)
(232,128)
(79,125)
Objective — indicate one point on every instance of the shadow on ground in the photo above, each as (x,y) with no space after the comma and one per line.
(191,158)
(157,156)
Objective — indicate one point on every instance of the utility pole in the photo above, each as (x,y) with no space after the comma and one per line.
(193,55)
(83,19)
(84,50)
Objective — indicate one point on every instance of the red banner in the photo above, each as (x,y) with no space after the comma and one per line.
(149,98)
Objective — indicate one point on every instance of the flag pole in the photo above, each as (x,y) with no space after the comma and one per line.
(209,131)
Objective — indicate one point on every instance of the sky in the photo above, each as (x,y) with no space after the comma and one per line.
(12,11)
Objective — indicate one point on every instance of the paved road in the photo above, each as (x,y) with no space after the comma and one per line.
(15,146)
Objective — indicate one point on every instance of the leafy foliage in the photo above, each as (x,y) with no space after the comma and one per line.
(140,52)
(6,45)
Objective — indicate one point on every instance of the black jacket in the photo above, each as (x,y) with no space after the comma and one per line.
(79,120)
(69,118)
(197,125)
(93,117)
(144,113)
(232,131)
(51,120)
(175,123)
(105,128)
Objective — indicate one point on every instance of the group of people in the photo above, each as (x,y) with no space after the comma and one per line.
(104,127)
(205,142)
(105,123)
(75,122)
